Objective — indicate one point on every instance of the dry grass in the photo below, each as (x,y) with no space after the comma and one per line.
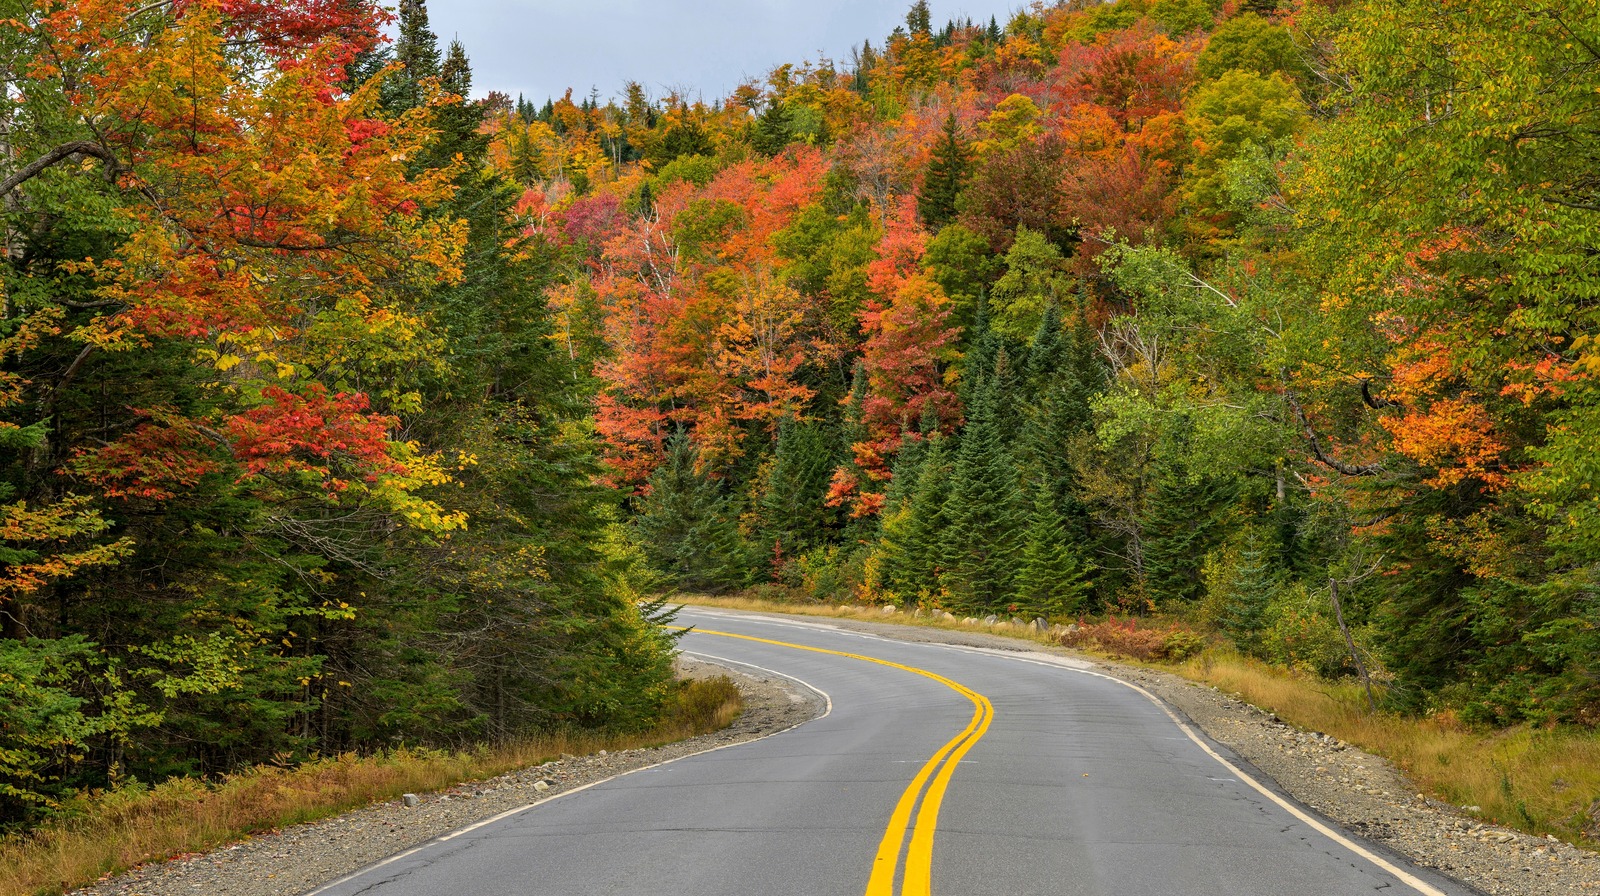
(853,611)
(119,830)
(1539,780)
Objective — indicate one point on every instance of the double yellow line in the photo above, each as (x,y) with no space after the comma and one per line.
(918,879)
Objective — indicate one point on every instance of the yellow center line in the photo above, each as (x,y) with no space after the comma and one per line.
(919,859)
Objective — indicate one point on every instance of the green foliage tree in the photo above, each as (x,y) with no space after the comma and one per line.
(943,179)
(985,513)
(688,527)
(1051,572)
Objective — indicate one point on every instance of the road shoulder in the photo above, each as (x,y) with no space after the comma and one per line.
(1364,794)
(298,859)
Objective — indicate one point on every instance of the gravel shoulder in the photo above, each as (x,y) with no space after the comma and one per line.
(298,859)
(1362,793)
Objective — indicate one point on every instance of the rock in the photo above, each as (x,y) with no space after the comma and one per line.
(889,610)
(1073,627)
(411,800)
(1040,625)
(601,754)
(566,756)
(541,786)
(948,616)
(917,613)
(970,620)
(843,608)
(990,619)
(1017,621)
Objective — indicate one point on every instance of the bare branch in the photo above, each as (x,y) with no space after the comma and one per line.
(1371,469)
(56,156)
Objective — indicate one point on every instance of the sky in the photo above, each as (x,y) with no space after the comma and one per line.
(706,47)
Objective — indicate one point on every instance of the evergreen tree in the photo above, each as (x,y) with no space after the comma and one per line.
(455,75)
(1249,593)
(1051,574)
(943,179)
(995,34)
(417,48)
(919,20)
(985,513)
(914,552)
(793,509)
(772,130)
(1183,520)
(686,526)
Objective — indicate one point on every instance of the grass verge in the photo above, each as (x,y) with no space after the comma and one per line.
(1536,780)
(118,830)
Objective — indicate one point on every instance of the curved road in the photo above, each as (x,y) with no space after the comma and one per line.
(943,769)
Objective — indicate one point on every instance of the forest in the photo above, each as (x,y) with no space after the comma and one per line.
(341,408)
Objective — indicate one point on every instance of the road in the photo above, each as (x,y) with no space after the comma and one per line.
(942,769)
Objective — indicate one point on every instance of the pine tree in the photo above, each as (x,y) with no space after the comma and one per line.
(416,48)
(985,513)
(1182,521)
(793,509)
(919,20)
(914,551)
(995,34)
(1249,593)
(772,131)
(455,75)
(1051,575)
(943,179)
(686,526)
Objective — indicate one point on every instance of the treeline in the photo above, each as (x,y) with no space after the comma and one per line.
(289,461)
(1158,306)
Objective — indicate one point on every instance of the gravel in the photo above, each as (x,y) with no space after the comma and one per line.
(1359,791)
(297,859)
(1363,793)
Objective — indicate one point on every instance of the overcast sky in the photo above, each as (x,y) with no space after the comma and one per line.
(540,47)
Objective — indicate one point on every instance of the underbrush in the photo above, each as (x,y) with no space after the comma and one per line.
(103,833)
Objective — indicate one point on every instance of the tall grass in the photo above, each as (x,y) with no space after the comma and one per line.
(115,831)
(1538,780)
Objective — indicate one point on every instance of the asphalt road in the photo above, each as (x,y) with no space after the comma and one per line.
(958,771)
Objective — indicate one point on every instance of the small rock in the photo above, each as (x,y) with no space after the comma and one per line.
(411,800)
(541,786)
(568,756)
(990,619)
(917,613)
(601,754)
(889,610)
(948,616)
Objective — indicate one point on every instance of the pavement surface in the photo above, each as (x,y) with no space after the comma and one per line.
(937,768)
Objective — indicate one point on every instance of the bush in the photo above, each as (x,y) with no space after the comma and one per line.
(1168,643)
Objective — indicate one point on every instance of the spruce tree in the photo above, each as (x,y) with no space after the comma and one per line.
(985,513)
(915,551)
(688,528)
(417,48)
(1249,593)
(793,512)
(1051,574)
(919,20)
(772,130)
(943,179)
(1182,521)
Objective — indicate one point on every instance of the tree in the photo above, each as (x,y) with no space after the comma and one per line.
(1051,572)
(943,179)
(985,513)
(688,527)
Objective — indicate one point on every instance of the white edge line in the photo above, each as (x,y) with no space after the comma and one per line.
(1409,879)
(828,708)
